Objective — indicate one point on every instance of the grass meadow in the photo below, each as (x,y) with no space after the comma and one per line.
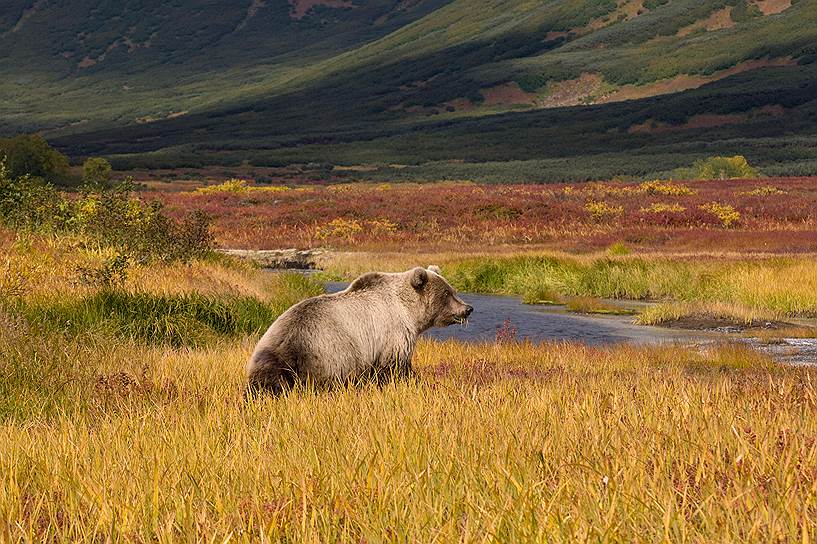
(126,421)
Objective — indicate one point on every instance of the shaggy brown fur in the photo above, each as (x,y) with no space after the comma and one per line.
(367,331)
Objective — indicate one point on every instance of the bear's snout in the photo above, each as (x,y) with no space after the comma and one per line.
(463,313)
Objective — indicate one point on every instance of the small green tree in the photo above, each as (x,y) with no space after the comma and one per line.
(96,172)
(735,167)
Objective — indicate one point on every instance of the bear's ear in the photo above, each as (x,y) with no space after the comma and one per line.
(419,277)
(436,269)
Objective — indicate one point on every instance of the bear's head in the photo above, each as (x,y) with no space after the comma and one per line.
(439,305)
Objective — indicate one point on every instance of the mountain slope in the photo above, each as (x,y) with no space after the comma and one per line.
(418,82)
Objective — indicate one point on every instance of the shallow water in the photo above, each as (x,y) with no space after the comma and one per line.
(539,323)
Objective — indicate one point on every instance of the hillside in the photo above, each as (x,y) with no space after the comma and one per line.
(528,90)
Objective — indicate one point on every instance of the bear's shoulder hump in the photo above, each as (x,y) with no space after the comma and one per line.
(366,281)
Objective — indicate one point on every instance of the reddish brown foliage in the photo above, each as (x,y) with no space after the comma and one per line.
(460,216)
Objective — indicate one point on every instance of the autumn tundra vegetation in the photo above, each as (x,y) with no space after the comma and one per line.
(648,157)
(123,338)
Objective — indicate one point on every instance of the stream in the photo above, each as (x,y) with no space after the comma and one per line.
(537,323)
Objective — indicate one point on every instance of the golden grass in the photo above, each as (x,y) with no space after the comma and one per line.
(46,267)
(500,443)
(116,440)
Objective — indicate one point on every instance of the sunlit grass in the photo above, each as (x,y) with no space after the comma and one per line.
(111,436)
(508,443)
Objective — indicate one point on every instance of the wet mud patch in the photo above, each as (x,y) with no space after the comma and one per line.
(723,324)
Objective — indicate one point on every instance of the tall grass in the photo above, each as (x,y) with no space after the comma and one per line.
(55,330)
(112,433)
(498,443)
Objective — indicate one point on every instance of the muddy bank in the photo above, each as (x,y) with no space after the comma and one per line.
(724,324)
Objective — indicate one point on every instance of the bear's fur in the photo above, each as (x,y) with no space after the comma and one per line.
(368,330)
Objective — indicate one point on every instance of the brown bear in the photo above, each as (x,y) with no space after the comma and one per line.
(367,331)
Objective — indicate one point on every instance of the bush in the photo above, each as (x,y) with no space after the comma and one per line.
(111,274)
(30,155)
(96,172)
(764,190)
(724,168)
(660,207)
(115,219)
(659,187)
(27,202)
(240,187)
(726,214)
(743,12)
(601,211)
(104,216)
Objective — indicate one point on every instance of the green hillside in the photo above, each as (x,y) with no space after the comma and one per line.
(494,90)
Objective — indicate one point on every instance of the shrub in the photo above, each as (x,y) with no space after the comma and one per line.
(339,228)
(109,217)
(115,219)
(238,186)
(726,214)
(743,12)
(660,207)
(111,274)
(724,168)
(659,187)
(31,155)
(27,202)
(601,211)
(764,190)
(233,185)
(382,226)
(96,172)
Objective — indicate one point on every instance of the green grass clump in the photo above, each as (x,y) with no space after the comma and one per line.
(176,320)
(626,277)
(186,319)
